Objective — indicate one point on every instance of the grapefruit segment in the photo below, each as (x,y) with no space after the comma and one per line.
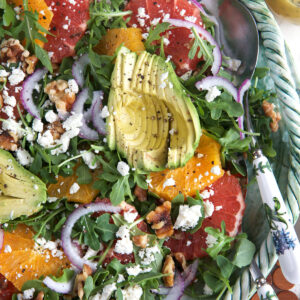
(229,206)
(68,26)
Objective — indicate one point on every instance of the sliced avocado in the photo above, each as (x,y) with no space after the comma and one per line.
(22,193)
(155,124)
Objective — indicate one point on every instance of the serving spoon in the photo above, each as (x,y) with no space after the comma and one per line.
(236,32)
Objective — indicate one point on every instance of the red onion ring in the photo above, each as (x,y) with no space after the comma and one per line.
(212,81)
(216,52)
(240,97)
(27,91)
(78,69)
(189,274)
(1,239)
(177,290)
(67,244)
(59,287)
(85,131)
(98,122)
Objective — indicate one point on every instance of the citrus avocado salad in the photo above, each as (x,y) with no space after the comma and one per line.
(122,143)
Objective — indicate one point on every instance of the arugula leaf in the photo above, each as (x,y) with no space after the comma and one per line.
(155,35)
(106,230)
(67,275)
(88,287)
(90,236)
(39,286)
(244,252)
(84,174)
(225,266)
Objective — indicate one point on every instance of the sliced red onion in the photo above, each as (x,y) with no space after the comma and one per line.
(98,121)
(177,290)
(27,91)
(1,239)
(205,34)
(161,290)
(211,81)
(78,69)
(59,287)
(85,131)
(240,97)
(67,244)
(190,272)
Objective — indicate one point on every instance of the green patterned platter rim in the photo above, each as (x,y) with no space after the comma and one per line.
(286,166)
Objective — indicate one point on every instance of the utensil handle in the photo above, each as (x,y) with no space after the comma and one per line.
(283,232)
(266,292)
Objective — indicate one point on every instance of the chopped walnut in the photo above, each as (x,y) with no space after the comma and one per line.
(180,258)
(11,51)
(40,296)
(80,280)
(29,64)
(161,221)
(169,268)
(60,94)
(140,193)
(8,141)
(56,129)
(140,240)
(1,101)
(269,112)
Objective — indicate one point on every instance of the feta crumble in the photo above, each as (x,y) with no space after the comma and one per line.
(147,255)
(129,216)
(73,86)
(208,208)
(212,94)
(210,240)
(169,182)
(123,168)
(132,293)
(188,217)
(89,159)
(215,170)
(24,157)
(74,188)
(104,112)
(106,292)
(16,77)
(51,116)
(134,271)
(28,294)
(7,249)
(124,245)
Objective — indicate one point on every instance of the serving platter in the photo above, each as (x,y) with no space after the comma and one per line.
(286,165)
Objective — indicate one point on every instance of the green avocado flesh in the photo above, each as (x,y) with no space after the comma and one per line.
(152,122)
(21,192)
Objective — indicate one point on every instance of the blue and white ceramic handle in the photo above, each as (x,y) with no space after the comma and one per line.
(284,236)
(264,290)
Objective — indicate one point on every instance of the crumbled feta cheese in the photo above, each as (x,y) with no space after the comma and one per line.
(28,294)
(51,116)
(3,73)
(134,271)
(65,26)
(73,86)
(145,35)
(168,58)
(124,245)
(129,216)
(166,41)
(13,126)
(188,243)
(45,139)
(155,21)
(123,168)
(91,252)
(120,278)
(24,157)
(51,199)
(200,155)
(89,159)
(169,182)
(208,208)
(74,121)
(219,207)
(186,75)
(7,249)
(182,12)
(9,100)
(188,217)
(74,188)
(16,76)
(207,193)
(234,64)
(215,170)
(210,240)
(212,94)
(9,111)
(132,293)
(147,255)
(207,290)
(166,17)
(106,292)
(104,112)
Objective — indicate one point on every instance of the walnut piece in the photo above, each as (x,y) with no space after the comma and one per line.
(169,268)
(140,240)
(269,112)
(80,280)
(161,221)
(29,64)
(56,129)
(59,93)
(8,141)
(11,51)
(140,193)
(180,258)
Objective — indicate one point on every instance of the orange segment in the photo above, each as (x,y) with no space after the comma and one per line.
(61,189)
(203,169)
(23,265)
(45,14)
(130,37)
(23,231)
(14,242)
